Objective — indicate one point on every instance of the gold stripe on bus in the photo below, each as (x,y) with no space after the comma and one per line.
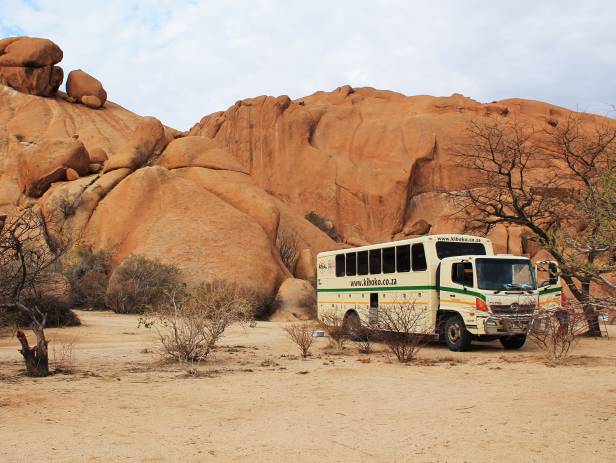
(453,301)
(550,301)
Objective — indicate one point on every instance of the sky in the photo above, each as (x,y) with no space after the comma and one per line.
(180,60)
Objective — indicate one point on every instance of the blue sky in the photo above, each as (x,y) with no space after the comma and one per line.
(180,60)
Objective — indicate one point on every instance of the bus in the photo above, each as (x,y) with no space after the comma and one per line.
(463,291)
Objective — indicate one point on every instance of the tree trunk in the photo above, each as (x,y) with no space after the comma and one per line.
(592,317)
(35,357)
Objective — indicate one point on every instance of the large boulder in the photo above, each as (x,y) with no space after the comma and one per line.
(147,141)
(86,89)
(295,300)
(47,162)
(42,81)
(31,52)
(198,152)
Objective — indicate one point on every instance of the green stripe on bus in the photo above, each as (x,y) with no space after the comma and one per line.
(402,288)
(552,290)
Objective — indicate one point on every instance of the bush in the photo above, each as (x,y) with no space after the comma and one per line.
(57,311)
(140,283)
(190,324)
(301,334)
(404,329)
(324,225)
(87,273)
(288,245)
(333,324)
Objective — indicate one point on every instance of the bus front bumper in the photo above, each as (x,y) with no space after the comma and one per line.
(506,325)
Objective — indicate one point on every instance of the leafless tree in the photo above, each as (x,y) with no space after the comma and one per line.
(404,328)
(556,329)
(333,324)
(189,324)
(559,183)
(301,333)
(288,245)
(29,269)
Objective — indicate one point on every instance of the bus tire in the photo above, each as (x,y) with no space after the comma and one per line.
(352,326)
(513,342)
(458,339)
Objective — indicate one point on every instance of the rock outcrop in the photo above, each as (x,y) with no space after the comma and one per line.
(85,89)
(27,65)
(296,300)
(374,163)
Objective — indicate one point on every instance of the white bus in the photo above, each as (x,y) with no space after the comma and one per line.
(463,290)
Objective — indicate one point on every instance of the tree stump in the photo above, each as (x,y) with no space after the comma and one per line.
(35,357)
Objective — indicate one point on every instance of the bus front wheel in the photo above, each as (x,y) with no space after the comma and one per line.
(513,342)
(458,339)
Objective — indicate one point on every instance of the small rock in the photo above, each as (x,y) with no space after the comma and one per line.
(81,85)
(98,155)
(91,101)
(71,174)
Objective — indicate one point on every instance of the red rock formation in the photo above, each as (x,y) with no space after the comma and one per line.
(85,89)
(27,65)
(374,162)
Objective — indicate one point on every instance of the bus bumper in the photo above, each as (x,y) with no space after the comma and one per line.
(506,326)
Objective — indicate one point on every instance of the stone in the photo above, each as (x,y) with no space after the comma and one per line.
(44,163)
(80,84)
(295,300)
(305,268)
(147,141)
(42,81)
(98,155)
(71,174)
(30,52)
(92,102)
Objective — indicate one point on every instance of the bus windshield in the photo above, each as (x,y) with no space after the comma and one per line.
(505,274)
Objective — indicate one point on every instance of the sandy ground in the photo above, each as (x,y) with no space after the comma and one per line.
(256,401)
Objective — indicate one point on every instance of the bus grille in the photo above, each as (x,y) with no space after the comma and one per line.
(513,309)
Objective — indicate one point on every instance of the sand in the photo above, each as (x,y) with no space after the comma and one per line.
(256,401)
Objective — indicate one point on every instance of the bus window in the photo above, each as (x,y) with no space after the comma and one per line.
(403,258)
(462,273)
(351,264)
(340,265)
(375,261)
(454,249)
(389,260)
(419,257)
(362,263)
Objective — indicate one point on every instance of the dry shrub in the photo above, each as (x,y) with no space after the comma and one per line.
(333,324)
(56,311)
(403,329)
(556,330)
(62,356)
(288,245)
(190,324)
(140,283)
(87,273)
(302,335)
(364,341)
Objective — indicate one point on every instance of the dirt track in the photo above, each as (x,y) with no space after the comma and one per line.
(255,401)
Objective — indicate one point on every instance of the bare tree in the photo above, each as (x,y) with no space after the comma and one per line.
(288,245)
(405,329)
(334,325)
(29,269)
(559,183)
(301,333)
(555,331)
(189,324)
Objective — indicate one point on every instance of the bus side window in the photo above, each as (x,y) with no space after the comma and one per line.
(389,260)
(462,274)
(340,265)
(375,262)
(403,258)
(419,257)
(351,264)
(362,263)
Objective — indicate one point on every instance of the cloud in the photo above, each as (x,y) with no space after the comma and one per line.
(180,60)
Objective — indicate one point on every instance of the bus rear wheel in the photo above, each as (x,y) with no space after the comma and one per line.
(352,326)
(458,339)
(513,342)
